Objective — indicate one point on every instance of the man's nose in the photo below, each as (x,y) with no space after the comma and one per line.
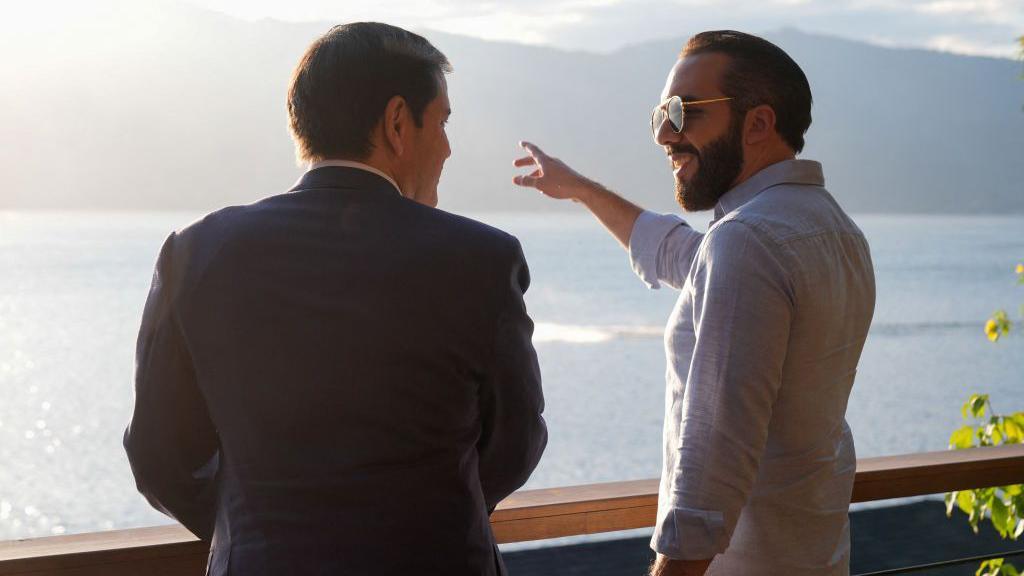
(666,136)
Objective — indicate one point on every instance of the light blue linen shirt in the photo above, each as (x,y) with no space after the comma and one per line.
(762,348)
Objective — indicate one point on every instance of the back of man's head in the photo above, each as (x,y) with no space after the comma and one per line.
(760,73)
(345,79)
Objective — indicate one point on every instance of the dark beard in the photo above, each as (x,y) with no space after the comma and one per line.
(719,165)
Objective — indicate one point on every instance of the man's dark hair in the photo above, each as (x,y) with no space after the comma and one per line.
(345,79)
(760,73)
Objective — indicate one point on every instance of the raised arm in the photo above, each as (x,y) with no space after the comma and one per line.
(661,247)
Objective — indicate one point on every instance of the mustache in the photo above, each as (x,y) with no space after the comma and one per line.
(681,149)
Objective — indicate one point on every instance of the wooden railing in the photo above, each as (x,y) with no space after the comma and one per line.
(526,515)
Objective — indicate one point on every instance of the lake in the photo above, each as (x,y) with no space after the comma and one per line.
(73,284)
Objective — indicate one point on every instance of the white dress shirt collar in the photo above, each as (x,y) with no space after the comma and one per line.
(357,165)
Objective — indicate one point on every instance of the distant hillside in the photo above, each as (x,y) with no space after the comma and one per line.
(159,105)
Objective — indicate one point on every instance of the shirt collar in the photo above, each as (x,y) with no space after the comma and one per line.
(785,172)
(357,165)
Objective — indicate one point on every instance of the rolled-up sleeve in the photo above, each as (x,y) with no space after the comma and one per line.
(661,249)
(742,308)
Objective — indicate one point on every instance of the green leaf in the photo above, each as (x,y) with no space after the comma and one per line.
(1019,529)
(990,567)
(963,437)
(1013,430)
(1001,517)
(965,501)
(998,325)
(978,402)
(1018,417)
(985,495)
(1018,503)
(995,436)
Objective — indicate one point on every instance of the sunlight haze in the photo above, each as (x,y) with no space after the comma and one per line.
(977,27)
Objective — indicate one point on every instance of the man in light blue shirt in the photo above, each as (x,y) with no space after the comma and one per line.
(774,308)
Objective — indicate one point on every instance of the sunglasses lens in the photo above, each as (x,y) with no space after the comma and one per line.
(657,119)
(675,113)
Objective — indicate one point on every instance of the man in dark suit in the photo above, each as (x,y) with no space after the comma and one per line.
(340,379)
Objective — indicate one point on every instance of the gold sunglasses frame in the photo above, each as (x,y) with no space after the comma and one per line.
(682,105)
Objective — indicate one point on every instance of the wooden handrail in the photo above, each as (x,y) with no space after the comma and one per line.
(593,508)
(526,515)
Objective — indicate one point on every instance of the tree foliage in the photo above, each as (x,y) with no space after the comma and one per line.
(999,324)
(1002,505)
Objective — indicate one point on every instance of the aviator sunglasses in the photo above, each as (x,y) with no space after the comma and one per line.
(675,110)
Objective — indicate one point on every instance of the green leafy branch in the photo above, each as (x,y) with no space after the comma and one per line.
(996,567)
(999,324)
(1002,505)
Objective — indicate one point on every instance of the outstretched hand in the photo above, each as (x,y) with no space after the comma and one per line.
(551,176)
(557,180)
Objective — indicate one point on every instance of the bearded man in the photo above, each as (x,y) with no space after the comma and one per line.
(775,304)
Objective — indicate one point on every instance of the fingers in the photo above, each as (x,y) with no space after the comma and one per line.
(532,148)
(530,179)
(536,155)
(525,180)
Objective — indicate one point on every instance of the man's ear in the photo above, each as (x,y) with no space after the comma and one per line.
(760,124)
(396,123)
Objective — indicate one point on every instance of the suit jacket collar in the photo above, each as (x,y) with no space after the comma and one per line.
(344,178)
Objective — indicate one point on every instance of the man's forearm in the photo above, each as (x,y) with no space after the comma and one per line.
(616,213)
(664,566)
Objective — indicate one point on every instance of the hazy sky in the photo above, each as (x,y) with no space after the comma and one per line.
(981,27)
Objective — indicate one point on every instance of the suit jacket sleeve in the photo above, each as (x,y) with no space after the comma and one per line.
(513,434)
(171,442)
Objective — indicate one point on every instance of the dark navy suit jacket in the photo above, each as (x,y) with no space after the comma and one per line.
(337,380)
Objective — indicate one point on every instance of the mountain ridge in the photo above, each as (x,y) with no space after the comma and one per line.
(179,110)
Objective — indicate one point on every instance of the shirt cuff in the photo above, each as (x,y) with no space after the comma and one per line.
(689,534)
(649,232)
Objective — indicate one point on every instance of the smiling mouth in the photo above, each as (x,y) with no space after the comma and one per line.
(681,161)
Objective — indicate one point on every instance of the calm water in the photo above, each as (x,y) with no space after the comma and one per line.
(72,288)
